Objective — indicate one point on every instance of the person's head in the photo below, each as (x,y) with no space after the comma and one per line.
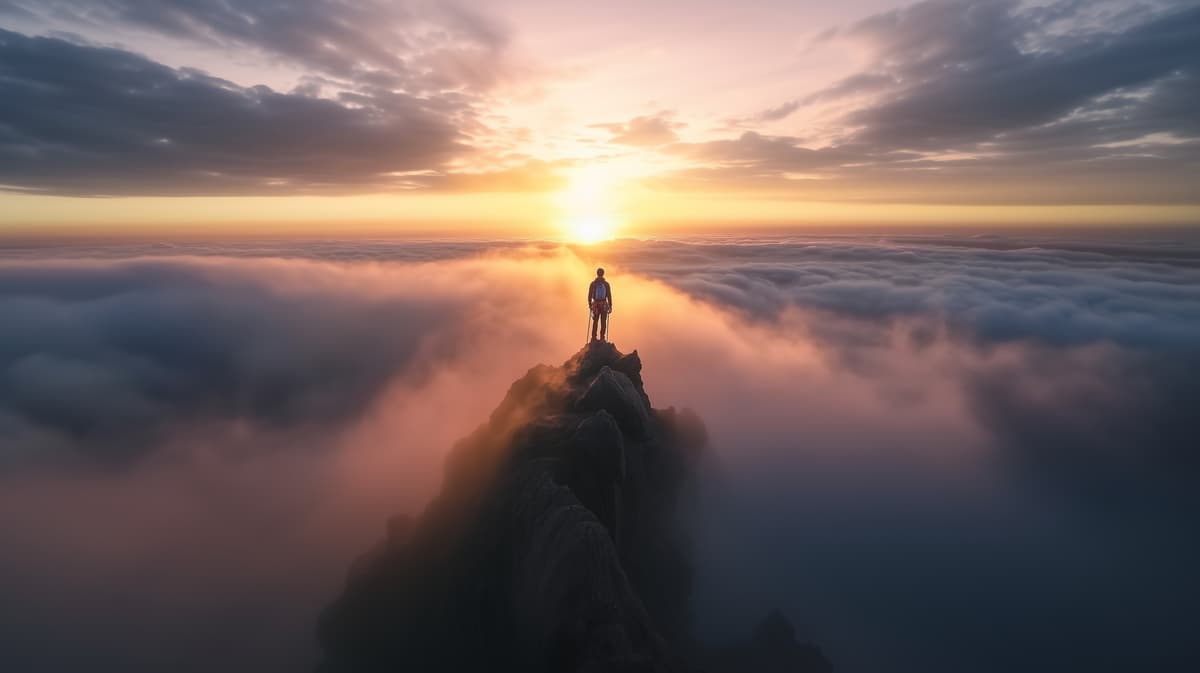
(599,273)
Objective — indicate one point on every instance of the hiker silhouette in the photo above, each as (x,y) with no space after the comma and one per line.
(600,304)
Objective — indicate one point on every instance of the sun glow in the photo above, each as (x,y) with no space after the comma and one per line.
(590,228)
(588,205)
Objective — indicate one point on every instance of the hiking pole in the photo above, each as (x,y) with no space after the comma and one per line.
(587,336)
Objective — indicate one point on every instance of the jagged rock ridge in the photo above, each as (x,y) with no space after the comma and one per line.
(554,545)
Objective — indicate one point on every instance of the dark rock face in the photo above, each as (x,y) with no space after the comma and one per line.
(554,545)
(613,392)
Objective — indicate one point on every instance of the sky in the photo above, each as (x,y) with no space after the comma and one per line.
(583,121)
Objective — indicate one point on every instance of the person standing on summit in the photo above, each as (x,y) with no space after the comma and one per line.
(600,304)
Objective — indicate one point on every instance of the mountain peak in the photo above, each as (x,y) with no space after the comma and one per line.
(555,543)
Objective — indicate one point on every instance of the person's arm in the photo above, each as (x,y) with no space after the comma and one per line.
(591,291)
(610,297)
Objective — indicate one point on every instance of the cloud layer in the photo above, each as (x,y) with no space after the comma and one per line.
(195,449)
(917,438)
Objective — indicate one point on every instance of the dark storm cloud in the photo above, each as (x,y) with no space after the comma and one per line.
(1098,102)
(415,46)
(111,360)
(86,120)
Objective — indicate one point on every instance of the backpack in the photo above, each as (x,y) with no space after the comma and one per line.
(601,292)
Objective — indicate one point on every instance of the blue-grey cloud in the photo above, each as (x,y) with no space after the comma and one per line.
(1054,290)
(1046,294)
(968,72)
(109,362)
(994,101)
(242,426)
(419,47)
(89,120)
(1106,323)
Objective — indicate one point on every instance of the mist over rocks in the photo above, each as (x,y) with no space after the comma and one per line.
(556,544)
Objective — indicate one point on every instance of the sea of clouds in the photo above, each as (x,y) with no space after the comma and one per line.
(938,452)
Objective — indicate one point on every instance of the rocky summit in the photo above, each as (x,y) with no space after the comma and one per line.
(555,544)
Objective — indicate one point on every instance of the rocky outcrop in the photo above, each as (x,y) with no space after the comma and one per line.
(613,392)
(554,545)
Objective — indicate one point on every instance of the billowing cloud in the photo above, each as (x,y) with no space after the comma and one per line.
(109,361)
(1126,311)
(208,442)
(1050,289)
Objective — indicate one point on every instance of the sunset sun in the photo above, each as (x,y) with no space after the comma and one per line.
(588,206)
(589,228)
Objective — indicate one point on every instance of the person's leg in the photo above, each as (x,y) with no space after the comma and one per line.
(604,324)
(595,322)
